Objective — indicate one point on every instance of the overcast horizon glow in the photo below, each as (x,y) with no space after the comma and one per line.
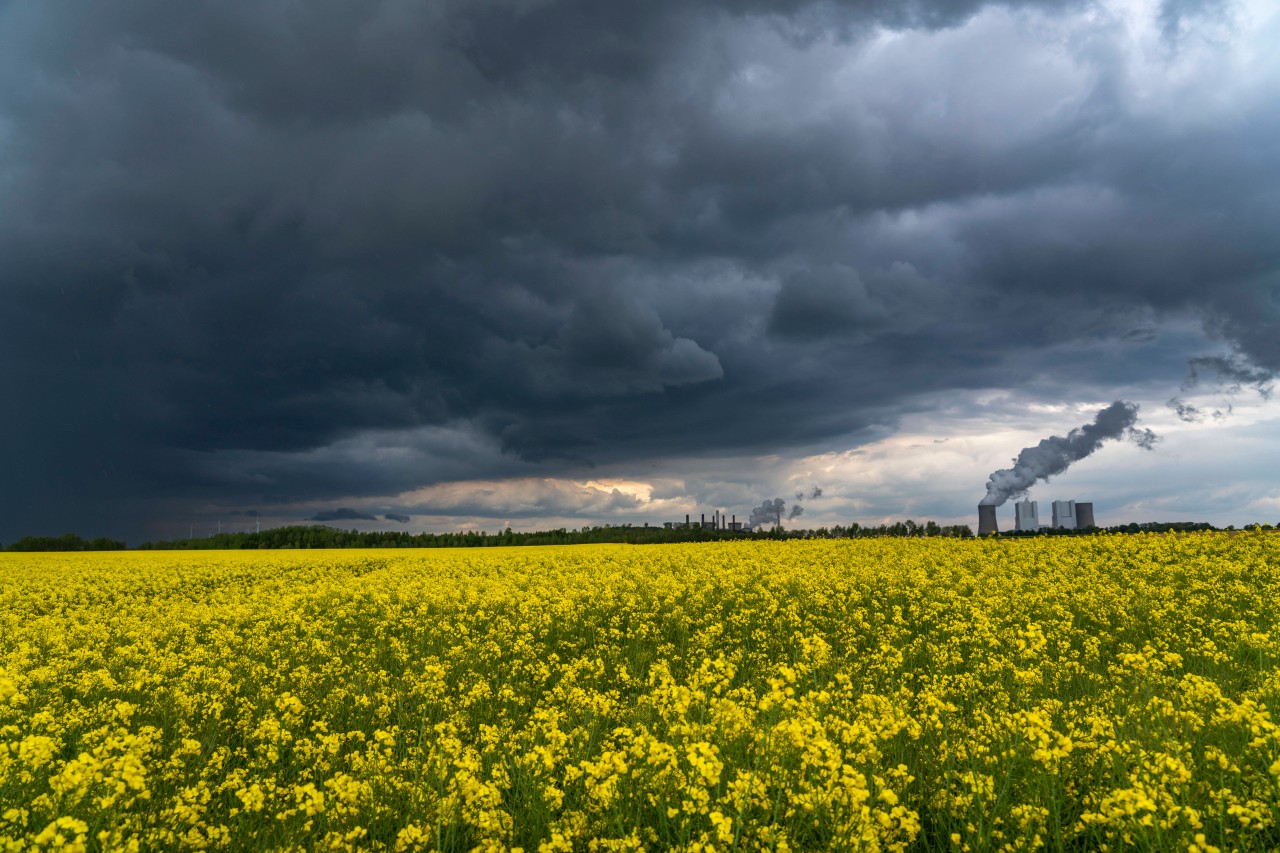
(543,264)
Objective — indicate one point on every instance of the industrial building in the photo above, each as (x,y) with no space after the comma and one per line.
(1066,515)
(717,522)
(1026,516)
(1071,515)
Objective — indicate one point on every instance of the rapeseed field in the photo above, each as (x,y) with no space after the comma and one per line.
(1067,693)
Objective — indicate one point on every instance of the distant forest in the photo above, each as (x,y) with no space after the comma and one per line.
(66,542)
(323,536)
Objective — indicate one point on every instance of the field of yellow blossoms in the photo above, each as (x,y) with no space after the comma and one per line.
(1069,693)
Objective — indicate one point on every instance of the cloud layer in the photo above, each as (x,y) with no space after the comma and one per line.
(276,255)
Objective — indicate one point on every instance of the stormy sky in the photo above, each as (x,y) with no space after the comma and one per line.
(443,264)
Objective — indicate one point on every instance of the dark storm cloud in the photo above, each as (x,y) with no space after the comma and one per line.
(1233,372)
(342,514)
(395,516)
(1185,411)
(260,252)
(837,301)
(1177,16)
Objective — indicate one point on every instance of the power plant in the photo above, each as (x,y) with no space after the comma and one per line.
(717,522)
(1066,515)
(1050,457)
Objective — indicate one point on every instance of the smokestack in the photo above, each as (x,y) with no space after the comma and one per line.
(1084,516)
(686,519)
(987,519)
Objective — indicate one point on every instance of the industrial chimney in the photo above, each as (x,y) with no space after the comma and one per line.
(987,520)
(1084,516)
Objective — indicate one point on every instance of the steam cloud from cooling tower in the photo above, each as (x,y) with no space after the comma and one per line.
(1054,454)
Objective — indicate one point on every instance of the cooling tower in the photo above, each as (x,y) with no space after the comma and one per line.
(1084,516)
(986,520)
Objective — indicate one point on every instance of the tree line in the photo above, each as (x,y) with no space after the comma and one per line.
(321,536)
(66,542)
(1132,527)
(324,536)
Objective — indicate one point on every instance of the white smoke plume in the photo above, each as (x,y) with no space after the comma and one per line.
(769,512)
(1054,454)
